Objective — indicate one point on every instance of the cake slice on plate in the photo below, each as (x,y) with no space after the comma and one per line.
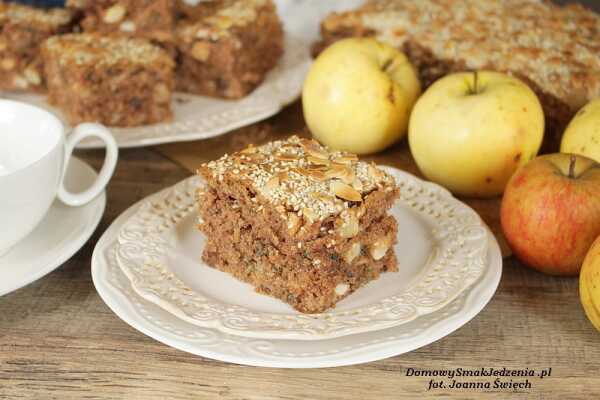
(297,221)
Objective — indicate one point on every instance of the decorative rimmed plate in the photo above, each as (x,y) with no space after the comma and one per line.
(442,245)
(116,291)
(62,232)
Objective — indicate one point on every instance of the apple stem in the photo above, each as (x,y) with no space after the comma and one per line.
(572,166)
(475,82)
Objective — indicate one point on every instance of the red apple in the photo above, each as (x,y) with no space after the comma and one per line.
(551,212)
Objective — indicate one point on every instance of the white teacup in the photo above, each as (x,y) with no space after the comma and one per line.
(34,155)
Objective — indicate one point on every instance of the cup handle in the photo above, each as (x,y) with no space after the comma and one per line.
(110,162)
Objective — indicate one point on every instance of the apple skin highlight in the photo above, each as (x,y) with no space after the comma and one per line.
(470,131)
(358,95)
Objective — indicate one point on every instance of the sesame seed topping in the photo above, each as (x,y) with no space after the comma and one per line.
(282,173)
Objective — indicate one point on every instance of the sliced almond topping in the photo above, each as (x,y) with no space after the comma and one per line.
(114,14)
(314,167)
(347,158)
(322,196)
(285,157)
(302,171)
(312,148)
(317,160)
(318,175)
(380,248)
(3,45)
(343,191)
(352,253)
(341,172)
(293,223)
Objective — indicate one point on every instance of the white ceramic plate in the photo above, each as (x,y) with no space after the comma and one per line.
(442,246)
(62,232)
(116,291)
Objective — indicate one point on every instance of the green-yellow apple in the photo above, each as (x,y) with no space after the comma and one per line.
(589,284)
(358,95)
(583,133)
(550,212)
(470,131)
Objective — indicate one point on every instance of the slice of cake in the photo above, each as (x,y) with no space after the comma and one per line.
(298,222)
(22,30)
(149,19)
(555,49)
(116,81)
(227,51)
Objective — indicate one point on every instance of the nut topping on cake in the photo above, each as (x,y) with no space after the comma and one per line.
(300,175)
(343,191)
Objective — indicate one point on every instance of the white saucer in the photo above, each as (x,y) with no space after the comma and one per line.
(116,291)
(61,234)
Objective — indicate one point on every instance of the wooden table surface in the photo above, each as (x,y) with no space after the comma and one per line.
(59,340)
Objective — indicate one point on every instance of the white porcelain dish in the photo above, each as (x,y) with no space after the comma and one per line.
(116,291)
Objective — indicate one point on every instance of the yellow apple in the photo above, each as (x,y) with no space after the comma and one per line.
(589,284)
(470,131)
(583,133)
(358,95)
